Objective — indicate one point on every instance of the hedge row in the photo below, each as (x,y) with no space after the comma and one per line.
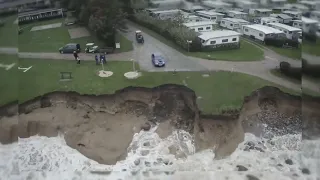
(281,42)
(171,30)
(286,69)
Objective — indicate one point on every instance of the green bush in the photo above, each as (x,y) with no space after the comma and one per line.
(174,31)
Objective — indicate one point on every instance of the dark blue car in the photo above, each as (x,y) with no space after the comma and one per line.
(158,60)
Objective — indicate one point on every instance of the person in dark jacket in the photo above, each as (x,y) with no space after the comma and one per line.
(75,54)
(97,59)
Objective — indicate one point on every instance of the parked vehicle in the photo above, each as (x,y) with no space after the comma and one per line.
(139,37)
(158,60)
(91,48)
(69,48)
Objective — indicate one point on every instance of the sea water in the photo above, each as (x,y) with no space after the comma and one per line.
(40,158)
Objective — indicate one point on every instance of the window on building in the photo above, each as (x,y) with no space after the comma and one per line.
(234,39)
(246,30)
(200,29)
(223,22)
(231,24)
(224,40)
(286,32)
(260,34)
(207,28)
(212,42)
(294,24)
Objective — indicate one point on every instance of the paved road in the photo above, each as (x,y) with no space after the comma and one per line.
(311,59)
(175,60)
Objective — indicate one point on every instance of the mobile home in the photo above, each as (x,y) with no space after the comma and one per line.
(282,18)
(237,14)
(211,15)
(261,32)
(260,12)
(309,25)
(246,5)
(266,20)
(194,18)
(218,6)
(233,23)
(219,37)
(315,15)
(294,14)
(200,26)
(290,32)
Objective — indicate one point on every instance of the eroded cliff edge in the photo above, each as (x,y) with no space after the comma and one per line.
(101,127)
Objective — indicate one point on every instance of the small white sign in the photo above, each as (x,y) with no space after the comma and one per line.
(118,45)
(25,69)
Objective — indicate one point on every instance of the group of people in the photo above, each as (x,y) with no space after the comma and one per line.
(99,60)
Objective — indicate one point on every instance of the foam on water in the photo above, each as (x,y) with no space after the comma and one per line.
(149,156)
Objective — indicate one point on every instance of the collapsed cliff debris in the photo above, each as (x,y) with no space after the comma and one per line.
(101,127)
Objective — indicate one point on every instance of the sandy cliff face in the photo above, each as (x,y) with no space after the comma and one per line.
(101,127)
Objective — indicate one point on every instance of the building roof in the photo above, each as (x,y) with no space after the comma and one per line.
(282,16)
(279,0)
(292,12)
(264,10)
(308,20)
(264,29)
(236,20)
(210,13)
(268,18)
(167,11)
(38,12)
(237,12)
(289,28)
(200,23)
(16,3)
(216,34)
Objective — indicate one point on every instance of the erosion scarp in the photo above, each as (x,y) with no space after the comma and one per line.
(101,127)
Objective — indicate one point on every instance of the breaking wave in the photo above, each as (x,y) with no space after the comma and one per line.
(149,156)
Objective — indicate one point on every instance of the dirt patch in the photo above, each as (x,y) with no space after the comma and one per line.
(101,127)
(78,32)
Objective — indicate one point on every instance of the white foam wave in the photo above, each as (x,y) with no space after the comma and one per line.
(149,156)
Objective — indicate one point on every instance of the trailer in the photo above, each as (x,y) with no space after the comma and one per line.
(290,32)
(261,32)
(233,23)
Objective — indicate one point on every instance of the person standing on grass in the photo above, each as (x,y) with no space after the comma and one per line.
(76,57)
(97,59)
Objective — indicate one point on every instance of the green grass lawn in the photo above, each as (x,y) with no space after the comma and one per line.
(311,48)
(125,44)
(247,52)
(9,32)
(219,91)
(9,79)
(51,40)
(291,53)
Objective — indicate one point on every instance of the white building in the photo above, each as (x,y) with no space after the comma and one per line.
(218,6)
(290,32)
(312,5)
(273,3)
(219,37)
(246,5)
(315,15)
(266,20)
(260,12)
(237,14)
(282,18)
(233,23)
(293,14)
(296,7)
(308,25)
(211,15)
(261,32)
(201,26)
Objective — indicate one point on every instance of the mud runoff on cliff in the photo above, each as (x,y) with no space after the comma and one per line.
(159,133)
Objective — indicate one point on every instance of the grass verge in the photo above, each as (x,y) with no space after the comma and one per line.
(9,79)
(9,32)
(220,91)
(311,48)
(50,40)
